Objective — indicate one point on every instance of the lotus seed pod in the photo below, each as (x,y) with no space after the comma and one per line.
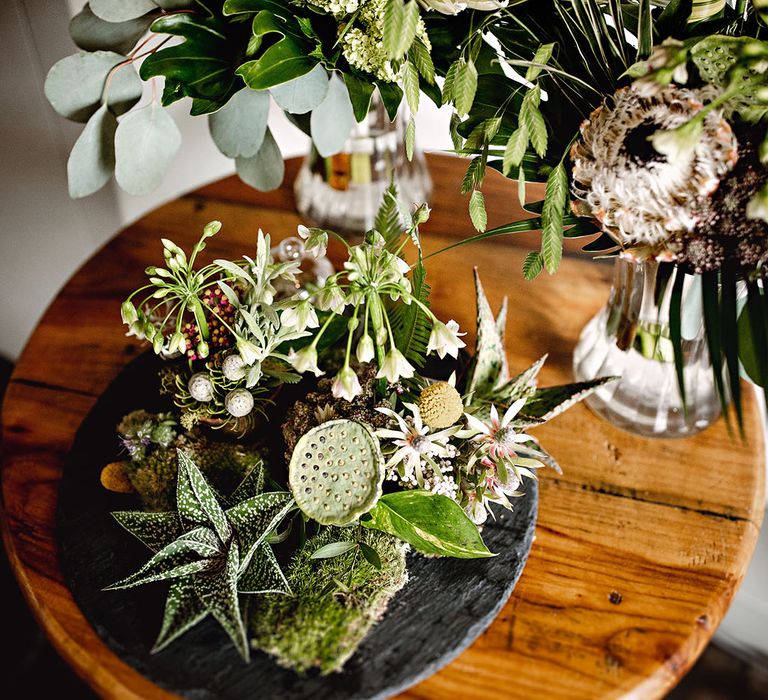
(239,403)
(200,387)
(336,472)
(233,367)
(440,405)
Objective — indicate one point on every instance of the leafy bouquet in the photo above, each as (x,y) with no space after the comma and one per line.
(352,425)
(320,61)
(647,121)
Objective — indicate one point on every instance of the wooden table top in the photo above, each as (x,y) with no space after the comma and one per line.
(640,544)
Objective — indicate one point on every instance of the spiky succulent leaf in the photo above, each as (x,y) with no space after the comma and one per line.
(489,364)
(524,384)
(183,610)
(252,485)
(196,500)
(156,530)
(263,574)
(551,401)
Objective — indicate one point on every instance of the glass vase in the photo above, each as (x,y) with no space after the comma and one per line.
(629,338)
(343,192)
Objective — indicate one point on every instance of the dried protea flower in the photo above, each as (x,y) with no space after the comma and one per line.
(638,194)
(724,232)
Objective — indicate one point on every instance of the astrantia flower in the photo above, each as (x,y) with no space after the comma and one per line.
(414,443)
(305,360)
(636,193)
(346,385)
(395,367)
(496,435)
(444,339)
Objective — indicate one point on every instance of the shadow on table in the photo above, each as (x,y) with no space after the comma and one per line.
(30,667)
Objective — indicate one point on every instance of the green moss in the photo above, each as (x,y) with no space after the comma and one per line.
(322,623)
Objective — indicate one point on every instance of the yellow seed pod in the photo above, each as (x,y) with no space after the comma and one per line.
(440,405)
(114,478)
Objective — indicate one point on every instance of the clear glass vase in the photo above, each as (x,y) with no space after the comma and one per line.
(629,338)
(343,192)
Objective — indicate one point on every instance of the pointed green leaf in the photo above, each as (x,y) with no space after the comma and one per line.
(477,211)
(146,142)
(411,86)
(252,485)
(239,127)
(410,138)
(371,555)
(263,574)
(430,523)
(75,85)
(555,201)
(551,401)
(92,160)
(533,121)
(183,610)
(524,384)
(332,549)
(265,170)
(360,94)
(489,361)
(422,59)
(465,86)
(540,59)
(515,150)
(730,339)
(533,265)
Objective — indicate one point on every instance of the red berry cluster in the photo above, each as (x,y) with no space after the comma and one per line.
(220,337)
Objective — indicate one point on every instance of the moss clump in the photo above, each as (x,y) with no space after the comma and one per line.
(152,469)
(322,623)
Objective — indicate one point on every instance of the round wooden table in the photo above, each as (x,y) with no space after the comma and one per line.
(640,544)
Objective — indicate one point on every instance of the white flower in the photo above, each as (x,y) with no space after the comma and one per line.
(486,5)
(331,298)
(300,316)
(305,360)
(678,144)
(315,240)
(395,367)
(128,313)
(414,443)
(365,350)
(178,343)
(249,352)
(346,385)
(444,7)
(496,435)
(233,367)
(444,339)
(200,387)
(239,403)
(476,509)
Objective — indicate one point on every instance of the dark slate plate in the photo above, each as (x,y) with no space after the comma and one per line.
(444,607)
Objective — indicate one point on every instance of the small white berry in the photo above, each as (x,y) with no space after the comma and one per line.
(239,402)
(200,387)
(233,367)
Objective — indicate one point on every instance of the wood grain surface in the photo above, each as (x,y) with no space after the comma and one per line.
(640,545)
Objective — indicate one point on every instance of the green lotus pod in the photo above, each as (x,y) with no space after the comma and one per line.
(336,472)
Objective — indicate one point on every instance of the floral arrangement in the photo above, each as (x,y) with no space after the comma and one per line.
(318,431)
(651,139)
(321,62)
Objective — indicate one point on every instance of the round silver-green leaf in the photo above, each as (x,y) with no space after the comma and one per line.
(145,143)
(265,170)
(238,128)
(304,93)
(332,119)
(75,84)
(92,33)
(92,160)
(121,10)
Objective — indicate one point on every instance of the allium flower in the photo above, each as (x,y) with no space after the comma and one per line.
(365,349)
(346,385)
(395,367)
(331,298)
(636,193)
(414,443)
(305,360)
(300,316)
(444,339)
(315,240)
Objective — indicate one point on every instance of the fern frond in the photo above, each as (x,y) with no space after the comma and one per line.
(410,324)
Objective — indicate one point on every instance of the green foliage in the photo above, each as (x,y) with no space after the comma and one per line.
(555,202)
(387,221)
(410,323)
(238,128)
(400,23)
(333,119)
(92,160)
(335,601)
(430,523)
(205,550)
(263,171)
(92,33)
(336,472)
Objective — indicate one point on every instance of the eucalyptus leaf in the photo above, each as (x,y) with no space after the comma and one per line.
(430,523)
(91,33)
(302,94)
(238,128)
(263,171)
(75,84)
(145,143)
(92,160)
(121,10)
(333,119)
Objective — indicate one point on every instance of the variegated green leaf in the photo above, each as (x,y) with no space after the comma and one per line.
(183,610)
(524,384)
(551,401)
(156,530)
(196,501)
(263,574)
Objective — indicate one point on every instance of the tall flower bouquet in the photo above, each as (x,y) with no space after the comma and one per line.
(320,62)
(385,434)
(647,121)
